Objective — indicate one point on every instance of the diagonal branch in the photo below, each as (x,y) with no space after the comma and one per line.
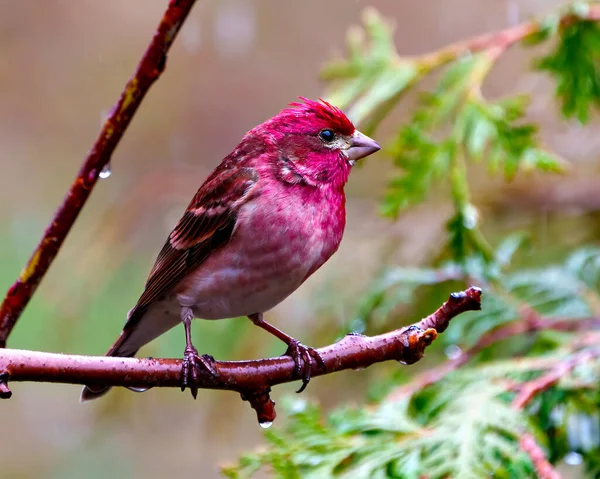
(252,379)
(542,467)
(529,390)
(149,69)
(496,43)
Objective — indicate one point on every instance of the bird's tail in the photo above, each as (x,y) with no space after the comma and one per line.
(119,349)
(135,334)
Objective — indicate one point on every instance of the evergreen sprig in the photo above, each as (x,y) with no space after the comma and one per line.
(454,123)
(575,64)
(464,427)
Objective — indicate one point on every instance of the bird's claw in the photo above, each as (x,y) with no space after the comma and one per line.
(193,365)
(303,357)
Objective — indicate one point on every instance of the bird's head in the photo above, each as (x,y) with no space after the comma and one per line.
(317,143)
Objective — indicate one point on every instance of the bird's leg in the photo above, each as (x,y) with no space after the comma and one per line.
(192,362)
(302,355)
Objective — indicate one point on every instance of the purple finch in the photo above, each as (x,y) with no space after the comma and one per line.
(270,215)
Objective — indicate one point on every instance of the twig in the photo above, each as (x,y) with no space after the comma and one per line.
(543,468)
(262,403)
(147,72)
(495,43)
(441,318)
(251,378)
(528,390)
(528,323)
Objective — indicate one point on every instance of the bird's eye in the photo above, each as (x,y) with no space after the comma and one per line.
(327,135)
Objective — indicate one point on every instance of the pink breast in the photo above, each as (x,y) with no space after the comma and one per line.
(279,241)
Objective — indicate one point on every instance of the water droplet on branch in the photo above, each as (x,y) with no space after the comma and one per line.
(453,351)
(573,458)
(266,424)
(106,171)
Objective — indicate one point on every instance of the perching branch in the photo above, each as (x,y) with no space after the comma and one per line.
(149,69)
(252,379)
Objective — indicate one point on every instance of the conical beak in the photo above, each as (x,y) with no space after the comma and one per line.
(361,146)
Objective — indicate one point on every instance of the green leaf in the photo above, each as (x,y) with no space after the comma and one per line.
(422,160)
(373,74)
(387,86)
(584,264)
(462,229)
(575,65)
(465,432)
(508,247)
(548,28)
(541,160)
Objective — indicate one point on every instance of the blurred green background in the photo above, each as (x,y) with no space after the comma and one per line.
(235,63)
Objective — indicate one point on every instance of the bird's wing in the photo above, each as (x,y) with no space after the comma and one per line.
(207,224)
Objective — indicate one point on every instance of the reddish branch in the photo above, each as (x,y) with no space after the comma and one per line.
(530,322)
(543,468)
(496,43)
(252,379)
(527,391)
(147,72)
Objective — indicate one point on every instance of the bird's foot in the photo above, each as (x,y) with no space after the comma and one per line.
(193,365)
(303,357)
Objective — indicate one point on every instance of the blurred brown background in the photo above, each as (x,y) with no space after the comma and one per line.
(236,63)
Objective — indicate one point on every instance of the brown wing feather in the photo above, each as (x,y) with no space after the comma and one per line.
(207,224)
(212,203)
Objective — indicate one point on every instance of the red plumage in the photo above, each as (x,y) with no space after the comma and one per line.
(266,218)
(319,114)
